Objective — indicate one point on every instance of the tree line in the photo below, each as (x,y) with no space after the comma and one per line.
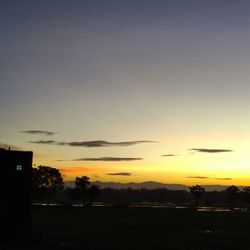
(48,187)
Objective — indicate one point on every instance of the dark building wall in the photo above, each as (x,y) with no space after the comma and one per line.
(15,192)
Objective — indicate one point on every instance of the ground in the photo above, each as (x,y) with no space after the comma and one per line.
(138,228)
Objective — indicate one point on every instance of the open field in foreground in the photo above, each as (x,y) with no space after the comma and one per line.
(138,228)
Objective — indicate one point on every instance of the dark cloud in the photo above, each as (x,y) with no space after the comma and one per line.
(101,143)
(91,144)
(43,132)
(214,150)
(169,155)
(198,177)
(109,159)
(121,174)
(206,177)
(49,142)
(223,179)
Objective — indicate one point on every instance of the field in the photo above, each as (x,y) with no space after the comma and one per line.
(138,228)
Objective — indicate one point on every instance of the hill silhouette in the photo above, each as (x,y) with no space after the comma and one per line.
(149,185)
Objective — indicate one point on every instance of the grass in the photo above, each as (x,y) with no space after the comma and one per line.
(139,228)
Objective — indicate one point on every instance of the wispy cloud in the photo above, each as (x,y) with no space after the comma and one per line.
(109,159)
(101,143)
(213,150)
(121,174)
(46,142)
(213,178)
(223,179)
(39,132)
(198,177)
(169,155)
(91,144)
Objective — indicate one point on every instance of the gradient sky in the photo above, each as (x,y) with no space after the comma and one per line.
(172,73)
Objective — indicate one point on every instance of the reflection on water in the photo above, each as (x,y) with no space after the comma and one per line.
(213,209)
(221,209)
(153,205)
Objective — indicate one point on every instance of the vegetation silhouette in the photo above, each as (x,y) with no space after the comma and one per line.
(93,192)
(82,183)
(161,228)
(246,196)
(46,183)
(81,187)
(197,192)
(232,193)
(48,187)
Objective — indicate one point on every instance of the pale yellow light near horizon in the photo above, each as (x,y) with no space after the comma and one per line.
(219,168)
(189,168)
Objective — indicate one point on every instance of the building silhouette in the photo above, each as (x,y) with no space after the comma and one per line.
(15,196)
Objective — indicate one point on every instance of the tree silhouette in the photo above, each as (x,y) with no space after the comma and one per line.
(197,192)
(81,186)
(82,182)
(46,181)
(246,196)
(93,192)
(232,193)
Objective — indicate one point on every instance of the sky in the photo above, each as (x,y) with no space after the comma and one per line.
(129,91)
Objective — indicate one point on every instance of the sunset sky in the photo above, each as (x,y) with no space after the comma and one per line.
(122,90)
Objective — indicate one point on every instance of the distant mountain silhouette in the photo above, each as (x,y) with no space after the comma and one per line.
(149,185)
